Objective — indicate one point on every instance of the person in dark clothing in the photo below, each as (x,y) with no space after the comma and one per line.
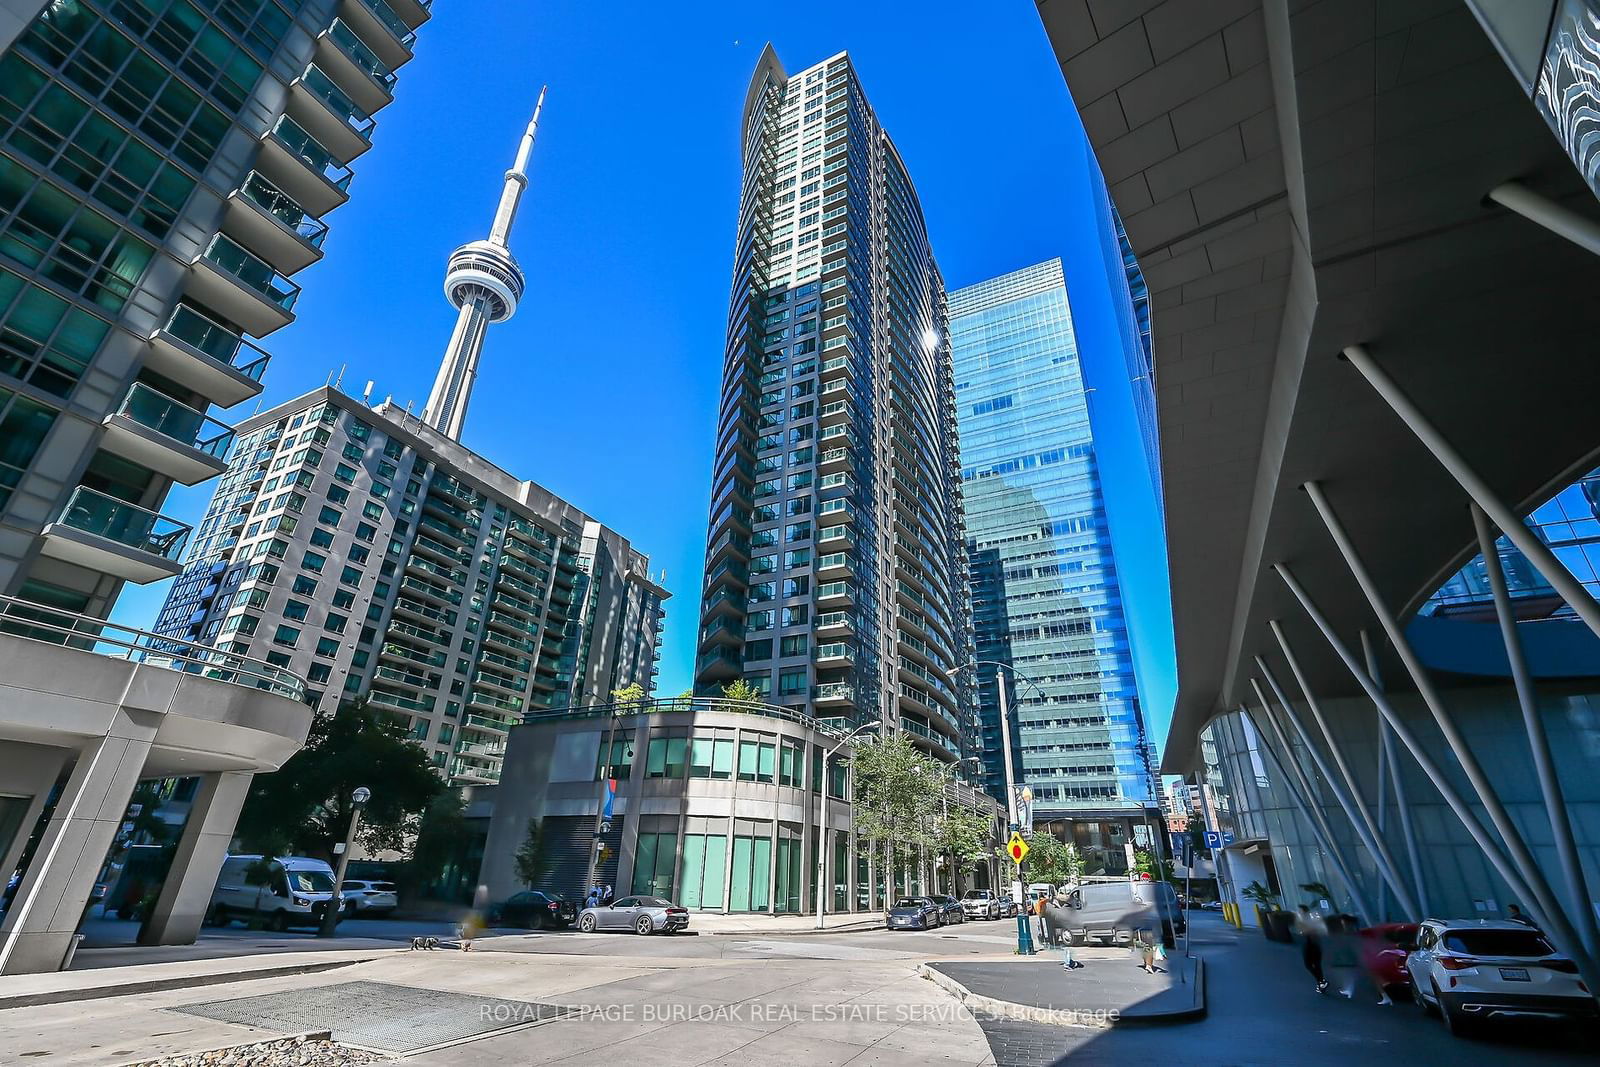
(1312,931)
(1514,914)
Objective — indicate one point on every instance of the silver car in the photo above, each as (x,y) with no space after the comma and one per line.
(642,915)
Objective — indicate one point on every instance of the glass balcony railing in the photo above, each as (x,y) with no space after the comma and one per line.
(391,22)
(252,273)
(275,202)
(157,411)
(127,524)
(359,54)
(217,341)
(310,152)
(322,87)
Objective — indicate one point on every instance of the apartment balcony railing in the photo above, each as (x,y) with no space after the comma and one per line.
(339,123)
(305,168)
(214,360)
(115,537)
(37,622)
(394,700)
(156,431)
(364,74)
(275,225)
(256,296)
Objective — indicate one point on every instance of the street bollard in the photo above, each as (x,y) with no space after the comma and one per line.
(1024,934)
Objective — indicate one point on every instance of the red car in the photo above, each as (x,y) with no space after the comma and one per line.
(1383,955)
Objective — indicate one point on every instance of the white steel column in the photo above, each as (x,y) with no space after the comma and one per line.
(1542,895)
(1303,795)
(1402,808)
(1480,834)
(1348,795)
(1538,553)
(1557,218)
(1538,741)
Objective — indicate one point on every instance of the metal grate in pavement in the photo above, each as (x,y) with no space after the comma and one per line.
(377,1015)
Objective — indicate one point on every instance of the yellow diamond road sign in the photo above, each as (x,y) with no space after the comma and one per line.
(1016,848)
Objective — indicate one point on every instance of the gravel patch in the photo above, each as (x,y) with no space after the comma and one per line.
(287,1052)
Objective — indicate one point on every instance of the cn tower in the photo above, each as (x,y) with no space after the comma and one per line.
(484,283)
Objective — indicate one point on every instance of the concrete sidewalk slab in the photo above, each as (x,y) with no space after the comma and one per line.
(1108,990)
(768,925)
(61,987)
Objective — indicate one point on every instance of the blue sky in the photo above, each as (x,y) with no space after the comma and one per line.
(604,386)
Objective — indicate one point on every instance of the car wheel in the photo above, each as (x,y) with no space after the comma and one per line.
(644,926)
(279,921)
(1454,1021)
(586,924)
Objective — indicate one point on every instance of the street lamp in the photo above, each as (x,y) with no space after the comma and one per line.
(330,914)
(822,841)
(1005,732)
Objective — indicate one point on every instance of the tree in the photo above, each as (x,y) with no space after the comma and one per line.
(1146,863)
(964,835)
(304,806)
(440,832)
(1052,860)
(531,859)
(896,798)
(631,695)
(741,692)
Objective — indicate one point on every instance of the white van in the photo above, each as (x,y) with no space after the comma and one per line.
(286,891)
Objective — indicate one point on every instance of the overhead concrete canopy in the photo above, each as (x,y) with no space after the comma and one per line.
(1297,177)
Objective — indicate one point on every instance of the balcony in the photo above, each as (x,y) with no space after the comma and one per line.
(834,592)
(834,693)
(834,565)
(242,287)
(170,438)
(504,683)
(303,168)
(395,650)
(488,724)
(394,700)
(361,73)
(329,115)
(513,623)
(200,353)
(723,629)
(417,609)
(464,773)
(835,654)
(506,641)
(274,225)
(384,31)
(718,664)
(115,537)
(477,698)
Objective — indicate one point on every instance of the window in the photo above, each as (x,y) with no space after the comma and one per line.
(372,510)
(792,681)
(795,645)
(665,758)
(296,610)
(344,473)
(322,538)
(314,562)
(791,764)
(328,646)
(758,650)
(330,516)
(286,635)
(365,532)
(653,861)
(304,586)
(344,599)
(350,576)
(621,759)
(756,759)
(336,623)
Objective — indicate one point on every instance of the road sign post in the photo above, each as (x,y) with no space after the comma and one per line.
(1018,850)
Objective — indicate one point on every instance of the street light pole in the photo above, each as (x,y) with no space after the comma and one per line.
(600,804)
(822,823)
(330,916)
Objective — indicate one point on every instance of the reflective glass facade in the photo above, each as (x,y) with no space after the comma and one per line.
(836,578)
(1045,593)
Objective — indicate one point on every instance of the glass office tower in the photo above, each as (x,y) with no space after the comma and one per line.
(836,576)
(1045,594)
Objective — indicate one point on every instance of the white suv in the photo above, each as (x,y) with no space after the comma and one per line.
(1470,970)
(981,904)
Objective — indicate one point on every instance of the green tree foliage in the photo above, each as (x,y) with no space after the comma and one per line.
(965,835)
(532,860)
(629,696)
(896,800)
(1050,860)
(1145,863)
(1260,895)
(440,832)
(742,692)
(304,806)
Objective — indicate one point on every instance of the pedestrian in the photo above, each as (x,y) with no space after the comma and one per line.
(1038,909)
(1514,914)
(1343,957)
(1144,946)
(607,896)
(1312,930)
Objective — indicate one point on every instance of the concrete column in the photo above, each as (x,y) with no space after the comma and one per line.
(51,900)
(186,895)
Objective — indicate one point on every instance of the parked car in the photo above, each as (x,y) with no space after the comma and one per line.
(1384,948)
(1475,970)
(534,909)
(1211,905)
(950,910)
(1104,909)
(913,913)
(295,891)
(370,900)
(983,904)
(641,914)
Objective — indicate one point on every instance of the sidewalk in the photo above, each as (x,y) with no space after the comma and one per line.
(33,990)
(745,924)
(1110,989)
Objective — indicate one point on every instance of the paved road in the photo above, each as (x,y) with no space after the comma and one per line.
(1263,1010)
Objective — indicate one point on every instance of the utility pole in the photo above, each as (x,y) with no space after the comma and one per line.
(330,916)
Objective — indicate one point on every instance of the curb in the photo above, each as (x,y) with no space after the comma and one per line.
(1080,1018)
(156,985)
(855,928)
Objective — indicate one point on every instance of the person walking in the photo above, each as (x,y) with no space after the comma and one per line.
(1038,910)
(1312,932)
